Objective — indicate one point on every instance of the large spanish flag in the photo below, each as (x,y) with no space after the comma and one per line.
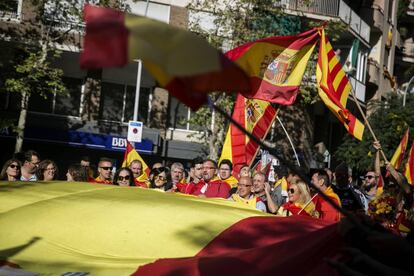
(399,153)
(334,87)
(275,65)
(53,228)
(256,116)
(409,166)
(130,155)
(182,62)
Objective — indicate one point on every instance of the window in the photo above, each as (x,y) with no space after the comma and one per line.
(180,115)
(67,104)
(10,8)
(118,100)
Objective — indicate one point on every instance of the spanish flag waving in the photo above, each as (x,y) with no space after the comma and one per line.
(399,153)
(130,155)
(72,228)
(256,116)
(334,87)
(182,62)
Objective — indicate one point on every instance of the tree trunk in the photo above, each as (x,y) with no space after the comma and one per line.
(22,121)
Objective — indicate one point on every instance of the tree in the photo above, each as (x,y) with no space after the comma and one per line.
(389,122)
(45,26)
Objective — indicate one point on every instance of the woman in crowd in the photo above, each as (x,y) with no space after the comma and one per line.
(124,177)
(11,170)
(77,172)
(299,203)
(161,179)
(47,170)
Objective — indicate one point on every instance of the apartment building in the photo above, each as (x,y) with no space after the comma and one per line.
(92,119)
(371,30)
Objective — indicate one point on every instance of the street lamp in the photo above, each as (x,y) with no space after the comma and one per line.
(406,90)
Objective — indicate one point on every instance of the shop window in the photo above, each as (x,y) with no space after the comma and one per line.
(61,104)
(180,115)
(117,103)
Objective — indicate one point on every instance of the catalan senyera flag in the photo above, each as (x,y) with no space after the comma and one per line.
(130,155)
(256,116)
(399,153)
(275,65)
(334,87)
(409,166)
(182,62)
(113,230)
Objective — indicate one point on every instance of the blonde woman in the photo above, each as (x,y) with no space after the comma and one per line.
(299,201)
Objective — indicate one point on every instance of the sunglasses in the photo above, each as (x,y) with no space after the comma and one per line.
(14,166)
(162,178)
(369,176)
(122,178)
(106,168)
(292,191)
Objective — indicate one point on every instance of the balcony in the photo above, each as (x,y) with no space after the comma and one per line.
(331,8)
(408,50)
(358,87)
(11,10)
(373,72)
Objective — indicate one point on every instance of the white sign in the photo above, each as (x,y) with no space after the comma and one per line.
(134,131)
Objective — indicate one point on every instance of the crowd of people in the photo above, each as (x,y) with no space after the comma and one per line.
(388,200)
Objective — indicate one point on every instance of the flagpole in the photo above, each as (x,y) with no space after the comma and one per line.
(307,203)
(367,123)
(290,140)
(302,175)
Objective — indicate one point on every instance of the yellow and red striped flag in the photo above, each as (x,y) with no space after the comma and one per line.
(334,87)
(409,166)
(114,230)
(256,116)
(399,153)
(182,62)
(380,186)
(130,155)
(275,65)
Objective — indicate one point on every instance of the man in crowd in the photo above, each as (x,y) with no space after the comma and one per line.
(196,177)
(245,195)
(326,212)
(140,178)
(271,199)
(369,185)
(86,163)
(177,173)
(30,163)
(213,186)
(281,174)
(104,171)
(351,198)
(225,173)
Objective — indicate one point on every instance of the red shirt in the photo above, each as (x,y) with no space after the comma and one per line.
(189,188)
(102,181)
(325,210)
(215,188)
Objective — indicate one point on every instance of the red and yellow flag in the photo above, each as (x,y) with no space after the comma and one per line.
(275,65)
(130,155)
(334,87)
(182,62)
(256,116)
(409,166)
(399,153)
(114,230)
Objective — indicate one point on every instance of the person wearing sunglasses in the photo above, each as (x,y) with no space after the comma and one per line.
(161,179)
(105,171)
(245,195)
(11,170)
(124,177)
(47,170)
(299,203)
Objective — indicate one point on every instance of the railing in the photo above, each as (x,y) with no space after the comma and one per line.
(358,87)
(333,8)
